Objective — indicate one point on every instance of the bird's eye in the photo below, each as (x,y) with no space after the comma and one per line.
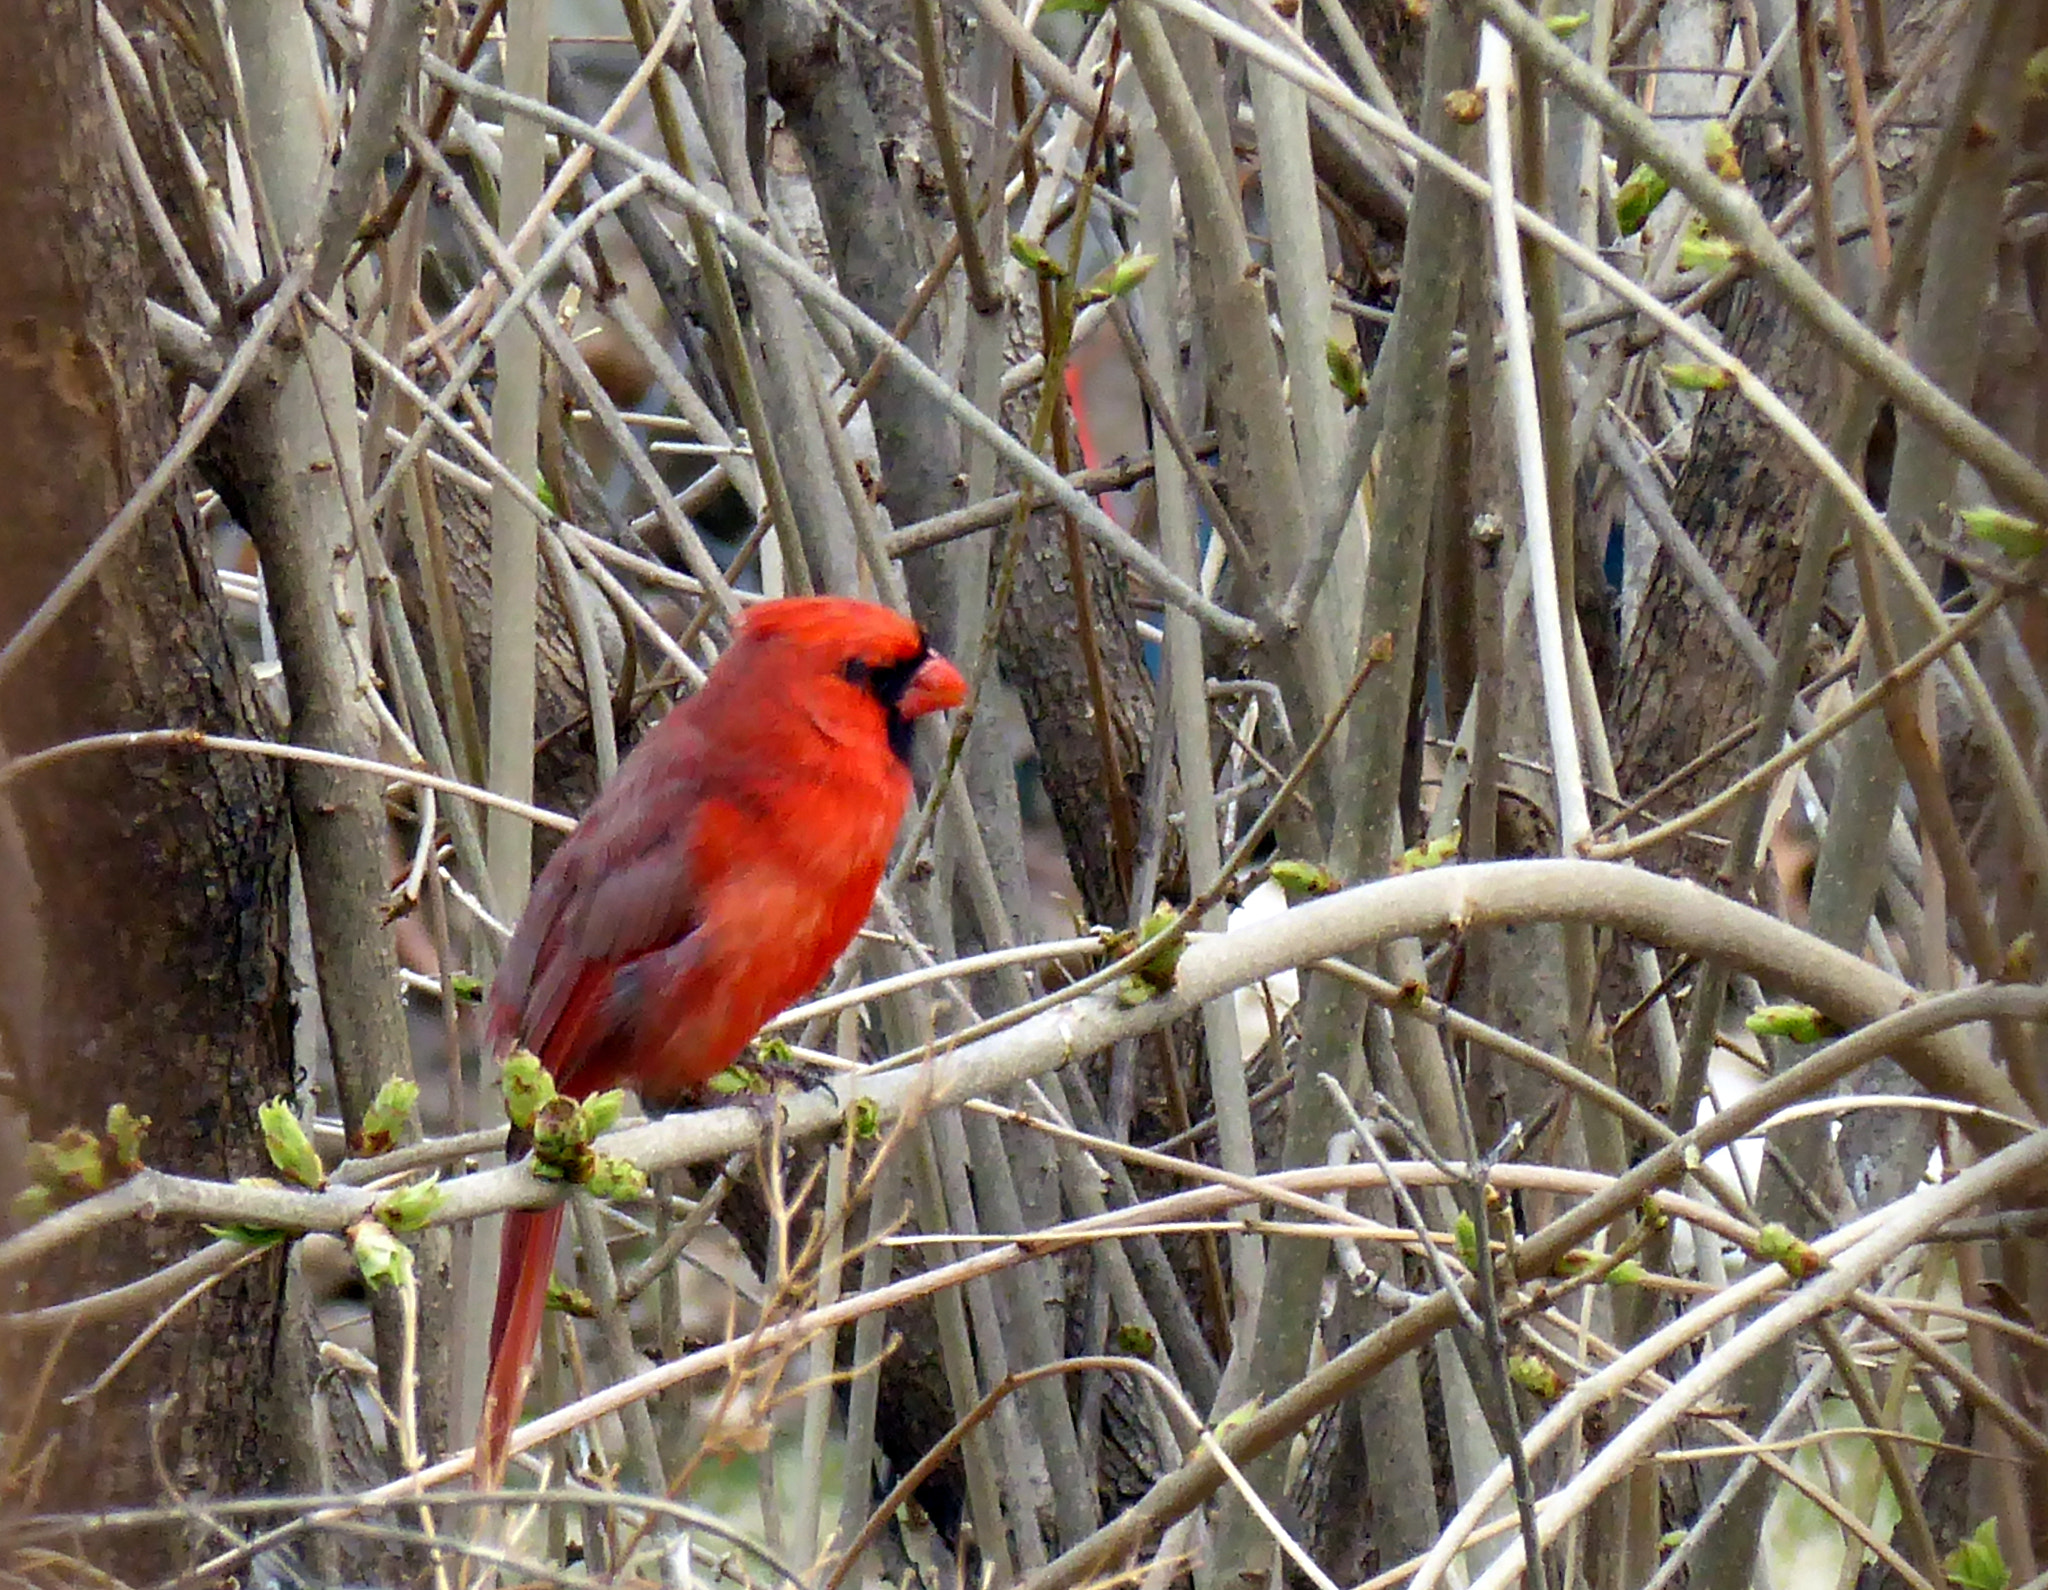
(854,672)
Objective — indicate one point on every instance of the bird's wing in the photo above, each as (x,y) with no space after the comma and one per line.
(624,886)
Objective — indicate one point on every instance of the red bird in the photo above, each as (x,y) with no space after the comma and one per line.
(712,883)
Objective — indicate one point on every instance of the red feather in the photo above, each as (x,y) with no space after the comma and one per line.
(712,883)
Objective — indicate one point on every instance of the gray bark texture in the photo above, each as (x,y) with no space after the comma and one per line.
(146,892)
(1742,496)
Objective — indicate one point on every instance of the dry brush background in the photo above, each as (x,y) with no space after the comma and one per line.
(1466,1005)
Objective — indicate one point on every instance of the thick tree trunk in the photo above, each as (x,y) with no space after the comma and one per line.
(1742,496)
(150,905)
(1043,658)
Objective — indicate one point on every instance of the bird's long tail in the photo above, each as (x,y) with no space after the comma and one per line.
(526,1258)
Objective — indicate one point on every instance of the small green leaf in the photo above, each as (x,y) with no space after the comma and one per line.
(248,1236)
(1697,377)
(291,1150)
(1432,853)
(559,1123)
(866,1116)
(1134,991)
(385,1120)
(412,1206)
(1154,976)
(1303,880)
(380,1257)
(32,1203)
(1241,1414)
(1566,25)
(601,1111)
(1797,1257)
(561,1141)
(1627,1273)
(1636,199)
(1118,279)
(1346,374)
(1717,145)
(71,1164)
(1466,1235)
(2037,75)
(2015,537)
(1033,257)
(737,1078)
(1704,251)
(251,1236)
(125,1131)
(570,1300)
(77,1163)
(1799,1023)
(1134,1341)
(466,987)
(526,1085)
(614,1179)
(1652,1214)
(1672,1539)
(1978,1564)
(1080,8)
(1535,1376)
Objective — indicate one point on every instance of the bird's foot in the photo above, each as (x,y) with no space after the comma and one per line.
(774,1062)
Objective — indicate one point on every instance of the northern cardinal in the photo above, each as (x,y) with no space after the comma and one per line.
(712,883)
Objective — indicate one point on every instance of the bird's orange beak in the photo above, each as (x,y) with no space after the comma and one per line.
(935,686)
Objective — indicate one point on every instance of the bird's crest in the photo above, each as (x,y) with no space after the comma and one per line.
(875,634)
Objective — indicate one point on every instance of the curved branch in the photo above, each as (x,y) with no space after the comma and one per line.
(1894,1231)
(1664,911)
(1189,1486)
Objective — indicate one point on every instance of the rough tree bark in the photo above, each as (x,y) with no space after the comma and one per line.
(1742,496)
(153,969)
(1042,656)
